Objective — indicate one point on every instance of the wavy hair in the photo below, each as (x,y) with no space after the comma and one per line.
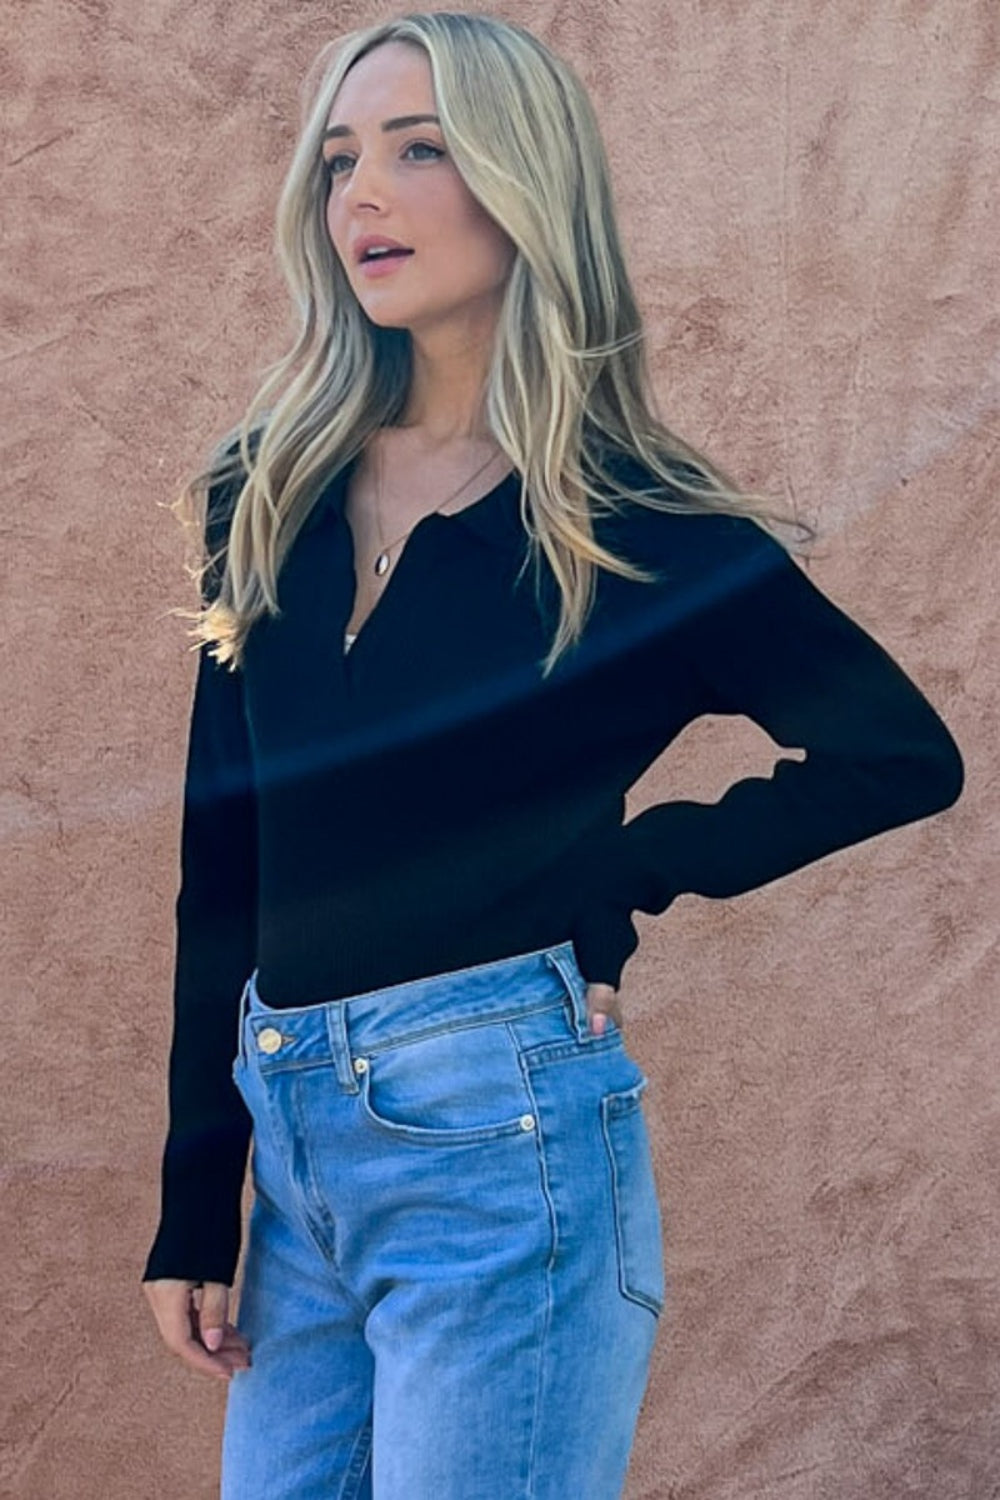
(568,384)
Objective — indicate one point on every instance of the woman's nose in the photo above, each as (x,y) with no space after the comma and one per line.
(364,182)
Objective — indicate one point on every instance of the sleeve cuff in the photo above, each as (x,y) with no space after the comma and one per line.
(200,1229)
(604,935)
(604,938)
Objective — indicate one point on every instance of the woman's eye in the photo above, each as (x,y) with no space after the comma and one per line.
(332,170)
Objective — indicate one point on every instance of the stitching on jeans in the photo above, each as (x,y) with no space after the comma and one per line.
(425,979)
(294,1065)
(474,1020)
(549,1270)
(357,1471)
(276,1064)
(616,1106)
(312,1205)
(544,1054)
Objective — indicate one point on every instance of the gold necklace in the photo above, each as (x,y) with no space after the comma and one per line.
(382,560)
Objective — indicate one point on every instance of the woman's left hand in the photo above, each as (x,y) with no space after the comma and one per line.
(602,1001)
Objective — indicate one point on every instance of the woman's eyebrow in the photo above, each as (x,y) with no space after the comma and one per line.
(401,122)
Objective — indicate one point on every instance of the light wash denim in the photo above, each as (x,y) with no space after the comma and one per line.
(454,1270)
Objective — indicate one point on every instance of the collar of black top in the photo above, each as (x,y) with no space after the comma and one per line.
(495,517)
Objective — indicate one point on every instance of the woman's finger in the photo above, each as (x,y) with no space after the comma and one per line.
(603,1001)
(212,1325)
(212,1307)
(175,1305)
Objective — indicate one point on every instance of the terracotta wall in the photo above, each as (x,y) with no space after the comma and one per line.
(808,193)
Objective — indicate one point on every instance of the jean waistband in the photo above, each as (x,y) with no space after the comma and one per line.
(380,1018)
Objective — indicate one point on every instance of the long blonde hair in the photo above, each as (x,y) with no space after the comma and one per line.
(568,379)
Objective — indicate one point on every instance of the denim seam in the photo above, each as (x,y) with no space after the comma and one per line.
(308,1196)
(302,1207)
(357,1464)
(295,1065)
(326,1251)
(267,1108)
(275,1064)
(472,1022)
(540,1055)
(549,1273)
(417,984)
(304,1203)
(616,1106)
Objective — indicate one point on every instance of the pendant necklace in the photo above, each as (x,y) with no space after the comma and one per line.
(382,560)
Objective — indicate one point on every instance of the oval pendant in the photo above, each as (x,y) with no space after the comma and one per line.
(381,563)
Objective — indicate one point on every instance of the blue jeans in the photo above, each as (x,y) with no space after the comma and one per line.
(454,1272)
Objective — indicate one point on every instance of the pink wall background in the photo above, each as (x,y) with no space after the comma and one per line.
(808,193)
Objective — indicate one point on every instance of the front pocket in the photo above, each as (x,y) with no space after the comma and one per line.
(638,1228)
(448,1087)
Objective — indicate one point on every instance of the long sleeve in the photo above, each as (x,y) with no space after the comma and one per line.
(767,644)
(204,1159)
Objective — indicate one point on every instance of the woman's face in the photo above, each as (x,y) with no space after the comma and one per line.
(403,184)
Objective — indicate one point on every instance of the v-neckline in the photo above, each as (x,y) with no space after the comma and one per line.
(364,629)
(348,655)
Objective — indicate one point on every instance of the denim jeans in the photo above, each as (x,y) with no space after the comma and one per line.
(453,1273)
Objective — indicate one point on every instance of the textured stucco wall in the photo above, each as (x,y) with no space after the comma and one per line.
(808,194)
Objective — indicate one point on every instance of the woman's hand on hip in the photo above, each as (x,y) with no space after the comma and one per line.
(602,1001)
(192,1319)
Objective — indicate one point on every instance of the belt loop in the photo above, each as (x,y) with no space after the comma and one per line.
(564,960)
(340,1047)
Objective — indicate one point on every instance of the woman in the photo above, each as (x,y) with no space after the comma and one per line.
(403,838)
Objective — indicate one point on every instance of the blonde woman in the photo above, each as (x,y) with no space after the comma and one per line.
(462,588)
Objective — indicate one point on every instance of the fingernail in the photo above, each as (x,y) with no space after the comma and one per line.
(597,1024)
(213,1338)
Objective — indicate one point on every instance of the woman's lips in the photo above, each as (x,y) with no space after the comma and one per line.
(383,265)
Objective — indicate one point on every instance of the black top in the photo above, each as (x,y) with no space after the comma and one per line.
(426,801)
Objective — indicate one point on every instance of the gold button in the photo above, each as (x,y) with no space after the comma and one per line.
(269,1040)
(527,1122)
(361,1065)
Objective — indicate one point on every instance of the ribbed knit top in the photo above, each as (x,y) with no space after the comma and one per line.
(422,798)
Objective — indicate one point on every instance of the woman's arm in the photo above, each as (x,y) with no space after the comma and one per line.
(767,644)
(204,1159)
